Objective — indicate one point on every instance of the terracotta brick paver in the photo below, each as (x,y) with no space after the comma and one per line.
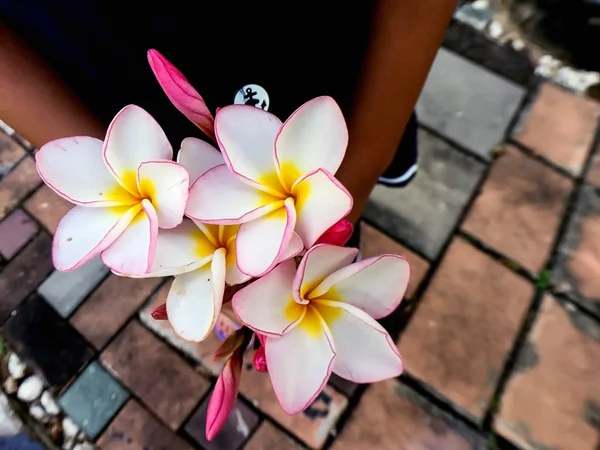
(15,231)
(135,428)
(560,126)
(161,378)
(593,175)
(392,417)
(519,209)
(268,437)
(10,153)
(465,326)
(17,184)
(202,352)
(96,318)
(312,426)
(374,243)
(47,207)
(20,277)
(553,398)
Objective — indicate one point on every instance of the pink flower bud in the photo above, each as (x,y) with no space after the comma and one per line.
(181,93)
(260,360)
(338,234)
(262,338)
(224,394)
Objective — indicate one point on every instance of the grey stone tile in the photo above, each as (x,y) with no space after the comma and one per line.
(46,342)
(425,212)
(64,291)
(468,104)
(93,399)
(503,60)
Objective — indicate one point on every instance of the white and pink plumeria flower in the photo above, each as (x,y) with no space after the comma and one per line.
(201,257)
(267,196)
(124,189)
(320,318)
(202,260)
(277,180)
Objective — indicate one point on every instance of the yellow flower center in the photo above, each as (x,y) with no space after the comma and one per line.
(130,194)
(280,185)
(147,190)
(315,314)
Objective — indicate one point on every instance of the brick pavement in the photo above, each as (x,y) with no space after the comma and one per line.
(500,331)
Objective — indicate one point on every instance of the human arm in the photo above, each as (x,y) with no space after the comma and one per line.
(405,37)
(35,101)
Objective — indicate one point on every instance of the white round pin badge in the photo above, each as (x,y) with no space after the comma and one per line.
(253,95)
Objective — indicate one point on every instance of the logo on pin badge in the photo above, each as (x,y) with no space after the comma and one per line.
(253,95)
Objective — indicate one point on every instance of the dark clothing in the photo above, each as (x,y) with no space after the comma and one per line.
(99,48)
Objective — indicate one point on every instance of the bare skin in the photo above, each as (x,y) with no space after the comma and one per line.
(405,39)
(406,36)
(35,101)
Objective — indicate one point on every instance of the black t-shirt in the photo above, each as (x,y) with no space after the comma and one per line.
(295,51)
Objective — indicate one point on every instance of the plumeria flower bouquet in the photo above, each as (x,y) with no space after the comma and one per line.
(259,222)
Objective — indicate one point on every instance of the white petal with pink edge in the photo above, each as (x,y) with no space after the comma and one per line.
(133,252)
(293,249)
(218,270)
(315,136)
(262,242)
(375,285)
(133,137)
(321,201)
(84,232)
(266,305)
(166,184)
(317,264)
(300,362)
(219,196)
(195,298)
(234,275)
(246,136)
(198,157)
(365,351)
(179,250)
(74,169)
